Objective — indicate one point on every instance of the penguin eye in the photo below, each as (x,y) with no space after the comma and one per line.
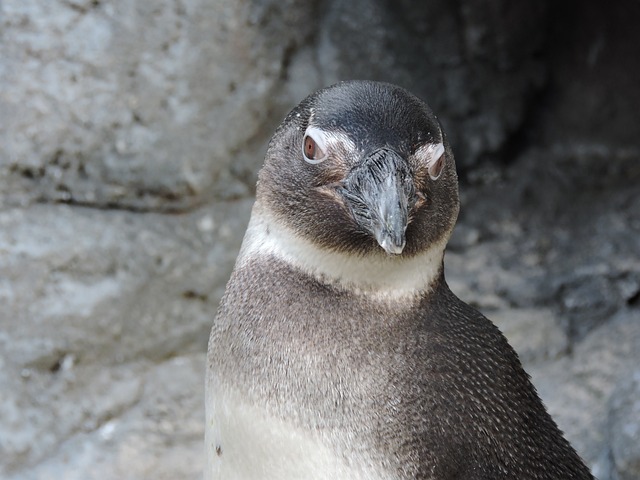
(432,154)
(312,149)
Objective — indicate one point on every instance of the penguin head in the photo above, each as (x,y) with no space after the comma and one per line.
(362,167)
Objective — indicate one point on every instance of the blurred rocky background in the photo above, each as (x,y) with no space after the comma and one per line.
(131,133)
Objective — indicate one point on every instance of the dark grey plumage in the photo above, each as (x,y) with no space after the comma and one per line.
(414,387)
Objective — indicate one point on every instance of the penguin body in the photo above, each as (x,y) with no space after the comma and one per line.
(338,351)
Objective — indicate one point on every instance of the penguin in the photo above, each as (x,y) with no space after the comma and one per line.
(338,350)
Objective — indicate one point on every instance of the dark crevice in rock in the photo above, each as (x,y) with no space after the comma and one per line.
(193,295)
(523,138)
(142,208)
(83,9)
(634,300)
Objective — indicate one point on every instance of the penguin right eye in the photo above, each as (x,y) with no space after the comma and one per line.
(313,150)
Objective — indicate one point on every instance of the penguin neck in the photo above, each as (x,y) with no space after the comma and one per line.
(379,276)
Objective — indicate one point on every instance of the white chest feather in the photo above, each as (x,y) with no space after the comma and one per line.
(243,442)
(379,277)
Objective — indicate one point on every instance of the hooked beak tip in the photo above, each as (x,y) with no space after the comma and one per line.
(390,246)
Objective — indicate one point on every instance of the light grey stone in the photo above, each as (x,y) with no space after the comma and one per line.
(141,104)
(577,388)
(624,426)
(92,292)
(533,333)
(155,431)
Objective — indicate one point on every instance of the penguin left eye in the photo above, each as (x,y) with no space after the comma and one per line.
(432,154)
(313,149)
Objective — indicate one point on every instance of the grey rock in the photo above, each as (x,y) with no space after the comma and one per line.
(155,432)
(587,302)
(624,426)
(628,284)
(93,293)
(593,68)
(141,105)
(463,237)
(575,386)
(533,333)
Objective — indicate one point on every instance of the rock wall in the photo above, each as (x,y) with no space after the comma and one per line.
(131,133)
(138,105)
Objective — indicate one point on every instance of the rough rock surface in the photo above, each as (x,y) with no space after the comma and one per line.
(138,104)
(130,138)
(105,318)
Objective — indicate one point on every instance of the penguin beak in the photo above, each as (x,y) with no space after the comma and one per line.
(380,193)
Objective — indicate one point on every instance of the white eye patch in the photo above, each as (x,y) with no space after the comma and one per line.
(433,155)
(314,145)
(317,144)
